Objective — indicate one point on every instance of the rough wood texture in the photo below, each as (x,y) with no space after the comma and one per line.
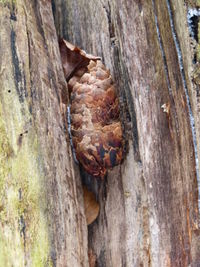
(41,209)
(190,51)
(149,205)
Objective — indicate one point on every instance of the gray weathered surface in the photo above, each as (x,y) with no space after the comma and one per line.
(148,205)
(41,213)
(149,211)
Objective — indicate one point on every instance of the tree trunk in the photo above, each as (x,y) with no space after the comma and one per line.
(149,204)
(42,215)
(149,208)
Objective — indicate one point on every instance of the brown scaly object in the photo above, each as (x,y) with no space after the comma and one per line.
(95,126)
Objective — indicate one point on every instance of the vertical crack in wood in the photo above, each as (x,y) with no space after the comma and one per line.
(109,18)
(20,85)
(17,71)
(180,62)
(32,92)
(161,48)
(127,105)
(181,66)
(165,67)
(70,134)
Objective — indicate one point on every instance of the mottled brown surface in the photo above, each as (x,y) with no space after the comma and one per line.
(96,128)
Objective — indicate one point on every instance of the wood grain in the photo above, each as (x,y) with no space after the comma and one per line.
(42,213)
(149,205)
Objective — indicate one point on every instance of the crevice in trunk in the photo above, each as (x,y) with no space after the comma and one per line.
(182,71)
(96,185)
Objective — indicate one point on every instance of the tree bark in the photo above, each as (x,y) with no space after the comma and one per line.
(149,204)
(42,216)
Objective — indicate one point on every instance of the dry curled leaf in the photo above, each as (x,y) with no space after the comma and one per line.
(95,126)
(91,206)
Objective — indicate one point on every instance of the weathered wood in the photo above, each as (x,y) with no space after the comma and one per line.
(149,205)
(41,212)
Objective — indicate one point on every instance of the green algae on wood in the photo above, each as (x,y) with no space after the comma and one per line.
(24,232)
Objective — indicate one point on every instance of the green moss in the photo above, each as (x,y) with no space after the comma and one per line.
(198,52)
(7,1)
(21,197)
(5,153)
(40,250)
(24,236)
(193,3)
